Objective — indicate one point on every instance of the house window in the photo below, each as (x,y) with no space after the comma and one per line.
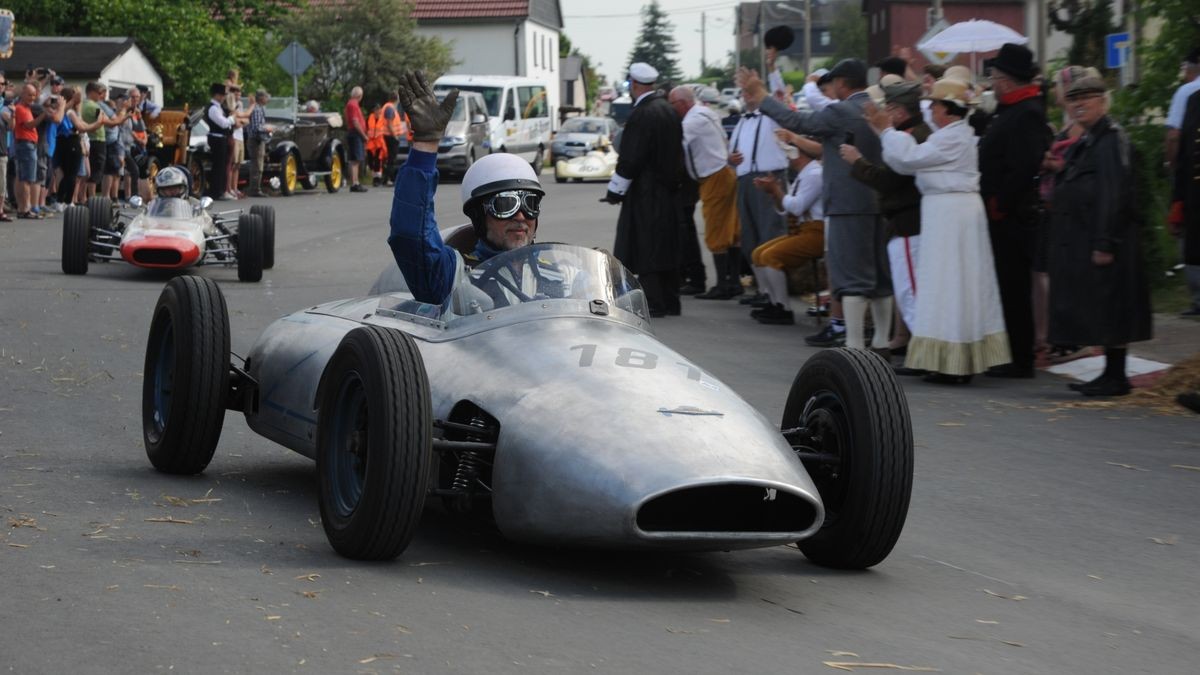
(553,53)
(535,49)
(823,39)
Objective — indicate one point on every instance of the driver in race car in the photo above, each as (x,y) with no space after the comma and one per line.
(171,183)
(500,194)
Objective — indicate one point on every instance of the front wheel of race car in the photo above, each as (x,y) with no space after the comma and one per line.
(76,240)
(374,436)
(250,247)
(267,214)
(858,450)
(186,376)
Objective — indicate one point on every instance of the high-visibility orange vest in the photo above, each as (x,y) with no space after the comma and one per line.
(374,126)
(398,126)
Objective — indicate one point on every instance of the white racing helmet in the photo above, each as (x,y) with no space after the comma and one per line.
(492,174)
(171,182)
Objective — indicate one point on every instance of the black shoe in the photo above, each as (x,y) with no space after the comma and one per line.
(774,314)
(1011,372)
(900,351)
(758,300)
(1103,386)
(375,182)
(828,337)
(691,289)
(942,378)
(905,371)
(358,187)
(720,293)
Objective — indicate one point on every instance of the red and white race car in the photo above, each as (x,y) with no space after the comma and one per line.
(169,233)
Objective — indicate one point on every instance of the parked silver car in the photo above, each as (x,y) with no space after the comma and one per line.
(580,135)
(466,135)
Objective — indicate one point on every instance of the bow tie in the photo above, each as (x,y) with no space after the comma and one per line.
(752,114)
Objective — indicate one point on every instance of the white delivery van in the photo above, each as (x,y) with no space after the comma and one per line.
(518,113)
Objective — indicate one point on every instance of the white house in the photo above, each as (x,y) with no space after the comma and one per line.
(115,61)
(498,37)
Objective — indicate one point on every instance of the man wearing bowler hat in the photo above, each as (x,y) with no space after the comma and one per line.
(1010,157)
(646,185)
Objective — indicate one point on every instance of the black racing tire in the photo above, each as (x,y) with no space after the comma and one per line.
(250,247)
(861,415)
(100,213)
(77,234)
(374,443)
(267,214)
(186,376)
(558,178)
(539,161)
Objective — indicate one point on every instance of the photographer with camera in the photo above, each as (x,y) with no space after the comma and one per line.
(47,141)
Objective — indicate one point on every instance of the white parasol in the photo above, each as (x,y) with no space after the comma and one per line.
(976,35)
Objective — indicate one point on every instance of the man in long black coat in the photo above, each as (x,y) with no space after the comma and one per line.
(1010,157)
(646,185)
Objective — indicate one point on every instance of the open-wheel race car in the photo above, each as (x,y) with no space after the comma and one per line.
(169,233)
(537,396)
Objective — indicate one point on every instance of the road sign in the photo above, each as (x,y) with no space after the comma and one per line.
(1116,50)
(294,59)
(933,56)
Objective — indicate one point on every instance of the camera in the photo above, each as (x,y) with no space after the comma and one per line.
(42,72)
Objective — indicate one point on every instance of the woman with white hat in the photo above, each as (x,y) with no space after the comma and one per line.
(959,328)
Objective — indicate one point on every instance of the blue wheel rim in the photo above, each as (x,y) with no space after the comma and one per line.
(348,460)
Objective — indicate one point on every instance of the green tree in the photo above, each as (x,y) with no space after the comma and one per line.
(848,32)
(656,44)
(1087,22)
(368,43)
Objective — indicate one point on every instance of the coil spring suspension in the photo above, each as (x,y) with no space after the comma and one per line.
(469,461)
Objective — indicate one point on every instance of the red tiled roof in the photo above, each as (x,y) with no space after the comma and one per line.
(469,9)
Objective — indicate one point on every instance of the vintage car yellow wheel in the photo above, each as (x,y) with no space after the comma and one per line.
(151,172)
(333,182)
(291,175)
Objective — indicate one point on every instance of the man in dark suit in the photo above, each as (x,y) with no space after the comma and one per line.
(646,185)
(1010,157)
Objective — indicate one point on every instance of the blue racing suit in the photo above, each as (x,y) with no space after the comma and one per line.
(430,267)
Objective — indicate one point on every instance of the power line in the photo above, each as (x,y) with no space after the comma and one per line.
(689,10)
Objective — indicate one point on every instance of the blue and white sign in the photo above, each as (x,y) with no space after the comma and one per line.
(1116,50)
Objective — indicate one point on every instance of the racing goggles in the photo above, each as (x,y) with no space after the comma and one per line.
(504,205)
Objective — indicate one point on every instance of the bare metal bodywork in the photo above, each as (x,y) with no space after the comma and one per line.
(606,436)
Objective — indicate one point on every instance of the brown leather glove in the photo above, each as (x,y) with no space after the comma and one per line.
(427,117)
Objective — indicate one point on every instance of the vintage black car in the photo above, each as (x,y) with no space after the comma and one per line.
(305,151)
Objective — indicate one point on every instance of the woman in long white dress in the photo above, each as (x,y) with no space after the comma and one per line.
(959,329)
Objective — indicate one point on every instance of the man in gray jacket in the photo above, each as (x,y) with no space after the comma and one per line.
(857,257)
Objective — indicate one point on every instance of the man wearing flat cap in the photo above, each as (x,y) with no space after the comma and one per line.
(857,258)
(646,185)
(1010,159)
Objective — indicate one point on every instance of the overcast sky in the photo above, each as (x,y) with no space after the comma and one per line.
(605,30)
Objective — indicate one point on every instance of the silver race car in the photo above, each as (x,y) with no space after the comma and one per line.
(540,397)
(169,233)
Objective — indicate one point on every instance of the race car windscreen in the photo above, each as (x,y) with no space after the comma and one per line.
(541,272)
(164,207)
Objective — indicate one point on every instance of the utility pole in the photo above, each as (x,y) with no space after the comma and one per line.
(703,65)
(737,38)
(808,37)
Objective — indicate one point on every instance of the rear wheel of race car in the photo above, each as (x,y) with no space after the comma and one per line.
(374,436)
(289,178)
(76,240)
(100,213)
(186,376)
(250,247)
(267,215)
(861,459)
(333,180)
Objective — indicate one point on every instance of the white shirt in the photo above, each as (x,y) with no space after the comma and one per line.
(948,161)
(804,195)
(217,112)
(775,82)
(1179,103)
(813,96)
(754,137)
(705,149)
(927,113)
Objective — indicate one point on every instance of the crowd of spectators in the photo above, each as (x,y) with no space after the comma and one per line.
(960,228)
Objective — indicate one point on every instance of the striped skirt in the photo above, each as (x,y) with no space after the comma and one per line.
(959,327)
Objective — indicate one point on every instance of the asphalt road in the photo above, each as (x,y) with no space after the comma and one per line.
(1041,538)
